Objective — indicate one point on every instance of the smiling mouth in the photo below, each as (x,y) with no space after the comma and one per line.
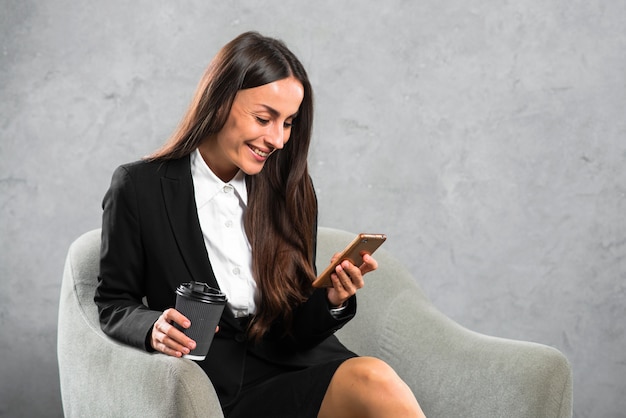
(260,153)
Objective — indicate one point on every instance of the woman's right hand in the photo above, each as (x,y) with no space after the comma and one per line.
(167,339)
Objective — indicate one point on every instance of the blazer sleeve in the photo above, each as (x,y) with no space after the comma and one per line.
(313,321)
(121,282)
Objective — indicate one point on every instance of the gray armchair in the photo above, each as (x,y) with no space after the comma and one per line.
(453,372)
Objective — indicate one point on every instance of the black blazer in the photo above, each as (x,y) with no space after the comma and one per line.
(152,242)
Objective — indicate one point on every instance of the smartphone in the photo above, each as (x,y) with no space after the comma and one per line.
(360,245)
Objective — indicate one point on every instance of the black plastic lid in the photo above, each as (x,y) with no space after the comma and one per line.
(201,292)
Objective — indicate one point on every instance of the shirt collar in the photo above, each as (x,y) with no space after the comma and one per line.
(207,185)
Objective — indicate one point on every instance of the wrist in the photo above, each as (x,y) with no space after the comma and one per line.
(340,306)
(336,311)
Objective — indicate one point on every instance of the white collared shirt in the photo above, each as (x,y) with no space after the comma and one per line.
(220,211)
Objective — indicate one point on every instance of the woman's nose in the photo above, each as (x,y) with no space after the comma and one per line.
(276,136)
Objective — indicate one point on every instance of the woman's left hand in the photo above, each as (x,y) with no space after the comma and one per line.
(348,278)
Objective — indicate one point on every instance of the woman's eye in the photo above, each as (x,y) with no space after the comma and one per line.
(262,121)
(288,124)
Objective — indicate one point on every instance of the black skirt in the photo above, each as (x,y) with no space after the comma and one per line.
(275,391)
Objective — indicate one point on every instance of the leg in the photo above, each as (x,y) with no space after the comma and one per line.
(368,387)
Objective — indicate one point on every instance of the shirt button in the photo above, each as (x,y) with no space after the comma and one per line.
(236,271)
(229,224)
(228,188)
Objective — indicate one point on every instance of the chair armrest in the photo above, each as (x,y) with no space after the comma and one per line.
(453,371)
(459,373)
(103,378)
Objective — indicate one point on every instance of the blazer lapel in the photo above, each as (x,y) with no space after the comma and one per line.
(180,204)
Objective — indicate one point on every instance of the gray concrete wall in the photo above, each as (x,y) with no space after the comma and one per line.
(486,138)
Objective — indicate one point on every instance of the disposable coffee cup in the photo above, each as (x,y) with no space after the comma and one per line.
(203,306)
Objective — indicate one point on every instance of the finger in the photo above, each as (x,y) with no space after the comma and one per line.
(172,315)
(339,286)
(168,339)
(353,274)
(337,283)
(165,344)
(346,279)
(159,340)
(169,330)
(171,347)
(369,264)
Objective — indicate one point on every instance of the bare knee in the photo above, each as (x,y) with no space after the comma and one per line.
(372,372)
(368,387)
(374,389)
(376,380)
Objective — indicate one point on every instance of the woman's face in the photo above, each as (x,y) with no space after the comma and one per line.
(259,123)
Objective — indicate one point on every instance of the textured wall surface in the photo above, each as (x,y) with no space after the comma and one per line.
(486,138)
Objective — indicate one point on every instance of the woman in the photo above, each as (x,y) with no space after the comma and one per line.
(228,201)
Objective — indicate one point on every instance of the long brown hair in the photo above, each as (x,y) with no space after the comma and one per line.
(280,219)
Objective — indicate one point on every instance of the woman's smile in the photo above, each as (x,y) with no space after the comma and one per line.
(260,153)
